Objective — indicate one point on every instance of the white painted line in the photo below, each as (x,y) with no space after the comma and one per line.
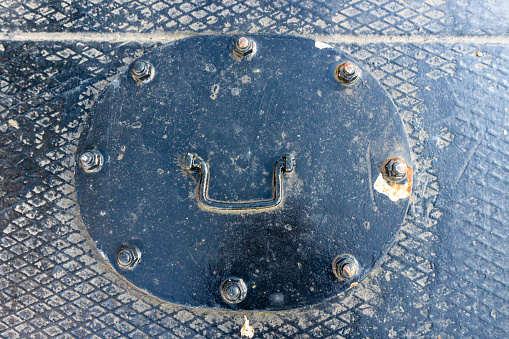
(332,38)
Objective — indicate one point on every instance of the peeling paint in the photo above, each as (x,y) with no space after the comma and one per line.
(319,44)
(395,190)
(247,330)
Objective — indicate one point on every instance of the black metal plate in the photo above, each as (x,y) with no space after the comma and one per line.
(241,116)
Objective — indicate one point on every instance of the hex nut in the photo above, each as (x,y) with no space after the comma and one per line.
(347,73)
(233,290)
(345,267)
(91,161)
(395,169)
(142,71)
(128,256)
(244,47)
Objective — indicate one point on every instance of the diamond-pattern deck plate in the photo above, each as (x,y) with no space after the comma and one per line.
(305,17)
(446,275)
(472,142)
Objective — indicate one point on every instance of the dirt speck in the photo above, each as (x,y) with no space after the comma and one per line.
(13,123)
(215,90)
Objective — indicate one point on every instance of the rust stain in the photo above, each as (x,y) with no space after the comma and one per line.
(395,190)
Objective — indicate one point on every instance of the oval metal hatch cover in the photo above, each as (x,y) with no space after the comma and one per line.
(223,176)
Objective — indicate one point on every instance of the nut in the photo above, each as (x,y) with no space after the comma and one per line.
(347,72)
(128,256)
(91,161)
(345,267)
(244,46)
(395,169)
(233,290)
(142,71)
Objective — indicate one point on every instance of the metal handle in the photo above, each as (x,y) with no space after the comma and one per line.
(194,162)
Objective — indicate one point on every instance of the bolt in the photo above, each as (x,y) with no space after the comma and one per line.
(233,290)
(345,267)
(243,43)
(142,71)
(349,69)
(124,258)
(91,161)
(244,46)
(348,270)
(347,72)
(87,158)
(128,256)
(138,67)
(395,169)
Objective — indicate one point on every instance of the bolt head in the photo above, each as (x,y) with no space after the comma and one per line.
(87,158)
(348,270)
(349,69)
(128,256)
(233,290)
(399,168)
(242,43)
(138,67)
(124,257)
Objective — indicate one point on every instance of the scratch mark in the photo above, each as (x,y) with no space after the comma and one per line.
(469,158)
(375,207)
(192,256)
(269,106)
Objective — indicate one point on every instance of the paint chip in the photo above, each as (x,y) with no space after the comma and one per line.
(319,44)
(394,191)
(247,331)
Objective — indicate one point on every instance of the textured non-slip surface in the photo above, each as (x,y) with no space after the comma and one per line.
(357,17)
(446,275)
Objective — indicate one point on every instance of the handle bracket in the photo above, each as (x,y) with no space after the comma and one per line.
(194,162)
